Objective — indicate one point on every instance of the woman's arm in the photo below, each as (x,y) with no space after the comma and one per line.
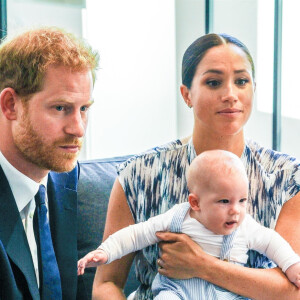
(183,258)
(110,279)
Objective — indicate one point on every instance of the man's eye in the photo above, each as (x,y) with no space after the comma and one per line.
(59,108)
(83,108)
(213,83)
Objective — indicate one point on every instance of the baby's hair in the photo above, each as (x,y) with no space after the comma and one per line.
(210,165)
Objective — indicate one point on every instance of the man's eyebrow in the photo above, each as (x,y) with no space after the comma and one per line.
(62,100)
(65,101)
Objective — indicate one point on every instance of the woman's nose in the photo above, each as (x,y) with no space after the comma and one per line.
(229,93)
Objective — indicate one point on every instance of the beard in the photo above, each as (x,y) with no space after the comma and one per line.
(44,154)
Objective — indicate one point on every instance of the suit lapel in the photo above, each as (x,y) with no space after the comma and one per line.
(13,235)
(62,197)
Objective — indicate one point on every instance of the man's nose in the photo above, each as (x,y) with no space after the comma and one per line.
(76,124)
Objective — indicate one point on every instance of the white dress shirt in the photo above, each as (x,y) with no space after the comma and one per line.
(24,189)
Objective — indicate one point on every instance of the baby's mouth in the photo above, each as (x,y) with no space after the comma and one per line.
(230,223)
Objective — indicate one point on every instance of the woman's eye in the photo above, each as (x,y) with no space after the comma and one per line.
(213,83)
(242,81)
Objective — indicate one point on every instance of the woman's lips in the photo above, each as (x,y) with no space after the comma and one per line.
(230,112)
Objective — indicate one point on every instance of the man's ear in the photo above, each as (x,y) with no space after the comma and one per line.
(185,92)
(8,103)
(194,202)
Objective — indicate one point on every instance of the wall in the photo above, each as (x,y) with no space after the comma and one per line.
(135,93)
(141,43)
(190,24)
(28,14)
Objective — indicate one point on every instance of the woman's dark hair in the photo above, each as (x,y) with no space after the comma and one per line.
(196,51)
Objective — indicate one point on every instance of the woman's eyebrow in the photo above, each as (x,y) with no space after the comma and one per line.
(241,71)
(216,71)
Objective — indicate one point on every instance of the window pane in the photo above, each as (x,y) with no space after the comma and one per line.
(251,22)
(290,74)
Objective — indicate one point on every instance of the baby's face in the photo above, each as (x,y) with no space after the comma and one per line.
(223,204)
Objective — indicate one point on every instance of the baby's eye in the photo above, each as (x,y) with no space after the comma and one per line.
(224,201)
(213,83)
(242,81)
(243,200)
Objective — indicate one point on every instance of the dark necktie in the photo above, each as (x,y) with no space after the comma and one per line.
(50,278)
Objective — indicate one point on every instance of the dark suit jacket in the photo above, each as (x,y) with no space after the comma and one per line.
(17,276)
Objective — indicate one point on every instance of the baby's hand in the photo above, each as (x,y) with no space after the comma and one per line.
(92,259)
(293,274)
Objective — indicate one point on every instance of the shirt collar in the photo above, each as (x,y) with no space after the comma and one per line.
(23,187)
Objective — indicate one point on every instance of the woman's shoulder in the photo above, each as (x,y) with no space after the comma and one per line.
(270,159)
(164,152)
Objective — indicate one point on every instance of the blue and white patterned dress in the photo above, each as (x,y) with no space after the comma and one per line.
(156,180)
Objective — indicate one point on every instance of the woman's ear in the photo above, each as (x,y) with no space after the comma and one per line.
(8,103)
(194,202)
(185,92)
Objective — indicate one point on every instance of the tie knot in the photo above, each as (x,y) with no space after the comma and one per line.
(40,195)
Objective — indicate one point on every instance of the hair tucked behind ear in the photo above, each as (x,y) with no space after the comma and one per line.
(196,51)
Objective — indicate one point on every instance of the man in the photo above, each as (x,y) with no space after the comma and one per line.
(46,82)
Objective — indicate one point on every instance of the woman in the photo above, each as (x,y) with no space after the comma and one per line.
(218,83)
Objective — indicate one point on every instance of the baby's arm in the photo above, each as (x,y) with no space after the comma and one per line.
(276,248)
(126,240)
(92,259)
(293,274)
(136,237)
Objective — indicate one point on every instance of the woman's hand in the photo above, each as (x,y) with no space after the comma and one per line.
(181,257)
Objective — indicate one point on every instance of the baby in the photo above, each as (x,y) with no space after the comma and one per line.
(214,217)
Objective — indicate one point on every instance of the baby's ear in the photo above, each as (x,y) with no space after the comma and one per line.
(194,201)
